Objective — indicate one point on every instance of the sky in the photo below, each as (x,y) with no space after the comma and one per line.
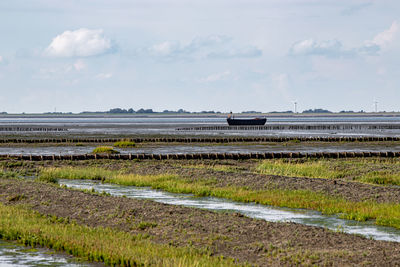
(222,55)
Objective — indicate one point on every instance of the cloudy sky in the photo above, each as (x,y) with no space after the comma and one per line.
(76,55)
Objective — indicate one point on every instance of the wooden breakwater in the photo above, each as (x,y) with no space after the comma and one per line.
(206,156)
(298,127)
(232,139)
(32,129)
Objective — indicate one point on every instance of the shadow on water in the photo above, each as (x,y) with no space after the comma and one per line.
(268,213)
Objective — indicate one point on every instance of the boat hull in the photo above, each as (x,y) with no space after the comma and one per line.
(246,121)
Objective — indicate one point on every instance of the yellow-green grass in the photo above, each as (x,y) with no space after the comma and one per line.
(387,214)
(124,144)
(97,244)
(375,171)
(104,149)
(216,167)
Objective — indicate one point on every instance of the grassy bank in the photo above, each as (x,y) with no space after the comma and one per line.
(374,171)
(387,214)
(96,244)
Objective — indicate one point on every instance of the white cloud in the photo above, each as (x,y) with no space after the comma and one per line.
(213,46)
(166,49)
(104,76)
(79,65)
(330,48)
(216,77)
(79,43)
(334,48)
(386,37)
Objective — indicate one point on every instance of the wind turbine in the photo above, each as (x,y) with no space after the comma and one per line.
(295,106)
(376,105)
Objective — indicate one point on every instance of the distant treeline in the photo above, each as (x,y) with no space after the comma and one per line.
(182,111)
(150,111)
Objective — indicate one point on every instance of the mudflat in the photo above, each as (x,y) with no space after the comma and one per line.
(232,235)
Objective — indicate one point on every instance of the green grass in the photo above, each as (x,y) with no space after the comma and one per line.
(124,144)
(373,171)
(387,214)
(97,244)
(104,149)
(312,169)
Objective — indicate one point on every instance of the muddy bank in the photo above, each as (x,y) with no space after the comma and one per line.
(242,173)
(222,173)
(255,241)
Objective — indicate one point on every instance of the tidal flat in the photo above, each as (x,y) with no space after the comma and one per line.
(196,235)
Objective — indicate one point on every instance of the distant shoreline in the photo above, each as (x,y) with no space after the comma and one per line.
(189,115)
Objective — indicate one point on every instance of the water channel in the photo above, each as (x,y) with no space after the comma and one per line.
(14,255)
(268,213)
(195,148)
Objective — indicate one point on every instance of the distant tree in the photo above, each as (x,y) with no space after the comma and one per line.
(145,111)
(118,110)
(317,110)
(287,111)
(251,111)
(131,110)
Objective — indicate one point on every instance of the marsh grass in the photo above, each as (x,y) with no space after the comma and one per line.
(381,177)
(8,174)
(373,171)
(104,149)
(97,244)
(124,144)
(387,214)
(215,167)
(317,169)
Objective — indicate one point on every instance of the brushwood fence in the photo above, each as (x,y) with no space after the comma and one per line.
(205,139)
(205,156)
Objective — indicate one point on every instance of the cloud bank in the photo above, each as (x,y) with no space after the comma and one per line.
(79,43)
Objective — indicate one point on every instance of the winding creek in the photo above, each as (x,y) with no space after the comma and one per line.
(268,213)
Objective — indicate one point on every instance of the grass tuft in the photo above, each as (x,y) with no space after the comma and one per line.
(104,149)
(124,144)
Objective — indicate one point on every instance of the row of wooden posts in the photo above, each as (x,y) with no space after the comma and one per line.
(204,156)
(206,139)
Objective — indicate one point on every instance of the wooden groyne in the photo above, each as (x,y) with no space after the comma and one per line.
(32,129)
(233,139)
(206,156)
(297,127)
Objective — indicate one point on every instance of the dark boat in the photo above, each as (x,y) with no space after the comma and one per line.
(256,121)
